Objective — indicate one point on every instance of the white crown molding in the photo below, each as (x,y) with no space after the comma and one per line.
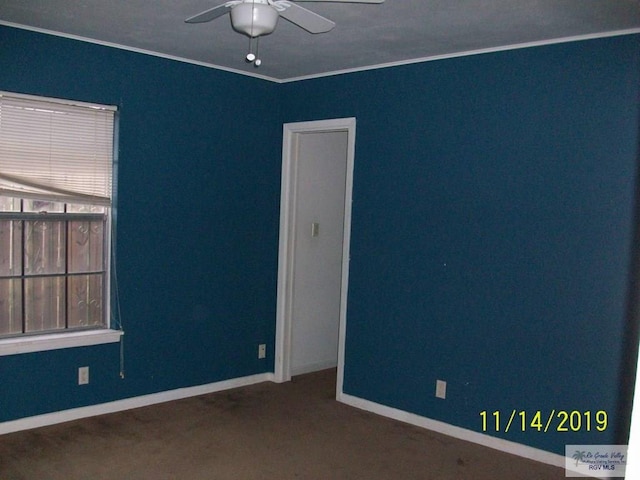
(136,50)
(516,46)
(467,53)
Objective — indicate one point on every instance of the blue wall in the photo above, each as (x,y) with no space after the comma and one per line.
(197,237)
(492,224)
(491,237)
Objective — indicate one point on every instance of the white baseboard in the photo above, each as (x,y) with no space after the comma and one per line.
(129,403)
(455,432)
(177,394)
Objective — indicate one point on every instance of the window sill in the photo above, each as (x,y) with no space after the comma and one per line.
(55,341)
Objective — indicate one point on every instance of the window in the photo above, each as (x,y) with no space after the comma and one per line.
(56,164)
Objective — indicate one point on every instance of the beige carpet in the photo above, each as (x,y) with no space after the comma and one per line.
(267,431)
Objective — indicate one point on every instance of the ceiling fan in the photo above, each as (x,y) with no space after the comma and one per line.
(255,18)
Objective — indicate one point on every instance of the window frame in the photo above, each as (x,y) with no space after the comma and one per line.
(27,342)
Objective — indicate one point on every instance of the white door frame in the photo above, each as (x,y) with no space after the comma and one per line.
(287,241)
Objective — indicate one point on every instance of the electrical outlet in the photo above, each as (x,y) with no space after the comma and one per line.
(83,375)
(441,389)
(262,350)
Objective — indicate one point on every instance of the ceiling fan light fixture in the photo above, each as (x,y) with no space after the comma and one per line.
(254,19)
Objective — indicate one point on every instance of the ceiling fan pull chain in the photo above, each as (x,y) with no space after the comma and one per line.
(250,56)
(257,61)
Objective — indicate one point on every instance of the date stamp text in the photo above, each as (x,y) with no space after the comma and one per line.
(544,421)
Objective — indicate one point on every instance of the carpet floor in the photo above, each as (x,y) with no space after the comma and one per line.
(267,431)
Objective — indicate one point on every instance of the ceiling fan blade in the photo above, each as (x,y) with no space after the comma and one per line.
(210,14)
(343,1)
(306,19)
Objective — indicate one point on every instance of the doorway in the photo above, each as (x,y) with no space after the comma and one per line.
(315,227)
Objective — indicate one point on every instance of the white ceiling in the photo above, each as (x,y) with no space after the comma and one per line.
(365,36)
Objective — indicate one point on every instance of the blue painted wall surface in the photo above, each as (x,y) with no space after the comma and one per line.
(491,236)
(492,224)
(197,236)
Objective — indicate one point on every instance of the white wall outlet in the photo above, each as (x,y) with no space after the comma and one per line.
(441,389)
(262,350)
(83,375)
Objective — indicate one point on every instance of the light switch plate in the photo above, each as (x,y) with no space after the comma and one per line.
(441,389)
(83,375)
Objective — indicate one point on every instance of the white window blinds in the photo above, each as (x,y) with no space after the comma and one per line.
(55,151)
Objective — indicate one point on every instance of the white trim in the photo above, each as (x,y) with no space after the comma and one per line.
(136,50)
(180,393)
(467,53)
(456,432)
(515,46)
(129,403)
(285,253)
(55,341)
